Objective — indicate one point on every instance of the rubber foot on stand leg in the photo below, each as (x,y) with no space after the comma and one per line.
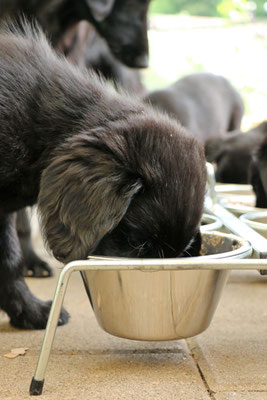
(36,387)
(263,271)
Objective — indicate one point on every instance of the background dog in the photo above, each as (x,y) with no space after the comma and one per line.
(123,24)
(233,153)
(207,104)
(83,46)
(111,176)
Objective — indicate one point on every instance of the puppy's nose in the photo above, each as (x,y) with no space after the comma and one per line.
(141,61)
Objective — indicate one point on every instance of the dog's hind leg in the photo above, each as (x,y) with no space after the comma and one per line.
(33,265)
(24,309)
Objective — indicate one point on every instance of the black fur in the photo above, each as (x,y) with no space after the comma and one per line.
(60,19)
(34,266)
(258,175)
(207,104)
(233,153)
(123,23)
(111,176)
(83,46)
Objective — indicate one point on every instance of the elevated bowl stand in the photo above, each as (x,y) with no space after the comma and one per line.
(37,382)
(212,206)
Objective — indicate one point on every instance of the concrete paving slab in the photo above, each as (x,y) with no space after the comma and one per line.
(232,352)
(108,376)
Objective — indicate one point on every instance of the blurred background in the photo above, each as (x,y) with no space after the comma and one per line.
(227,37)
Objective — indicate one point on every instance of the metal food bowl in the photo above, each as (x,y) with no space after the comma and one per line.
(257,221)
(229,189)
(210,223)
(163,305)
(238,199)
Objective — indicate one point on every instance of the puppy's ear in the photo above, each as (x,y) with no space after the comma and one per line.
(100,9)
(83,196)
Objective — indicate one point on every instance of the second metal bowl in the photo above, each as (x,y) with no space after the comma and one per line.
(256,221)
(238,199)
(210,223)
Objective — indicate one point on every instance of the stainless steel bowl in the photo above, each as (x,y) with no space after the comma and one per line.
(210,223)
(162,305)
(233,188)
(238,199)
(257,221)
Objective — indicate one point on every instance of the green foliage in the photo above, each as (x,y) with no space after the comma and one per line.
(212,8)
(226,7)
(260,12)
(193,7)
(164,7)
(201,8)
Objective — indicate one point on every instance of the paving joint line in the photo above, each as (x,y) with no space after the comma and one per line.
(210,392)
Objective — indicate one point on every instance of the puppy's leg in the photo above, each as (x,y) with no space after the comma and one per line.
(33,265)
(24,309)
(236,117)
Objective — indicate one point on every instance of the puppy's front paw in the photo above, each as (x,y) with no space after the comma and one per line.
(35,316)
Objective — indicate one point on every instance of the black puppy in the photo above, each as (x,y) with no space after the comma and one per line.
(207,104)
(83,46)
(111,176)
(124,26)
(123,23)
(233,153)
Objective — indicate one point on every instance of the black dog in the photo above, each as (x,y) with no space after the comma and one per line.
(111,176)
(233,153)
(123,23)
(83,46)
(207,104)
(112,18)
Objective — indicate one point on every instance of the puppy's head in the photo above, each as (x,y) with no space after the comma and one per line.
(124,26)
(135,189)
(232,155)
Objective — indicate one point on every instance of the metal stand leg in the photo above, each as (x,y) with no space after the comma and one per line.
(37,383)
